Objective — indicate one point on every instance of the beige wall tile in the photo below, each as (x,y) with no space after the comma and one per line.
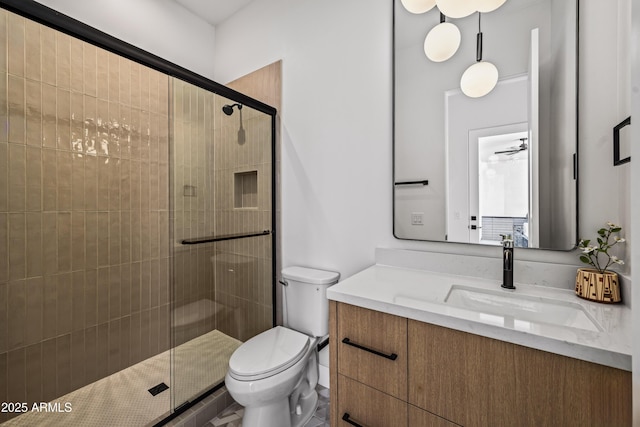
(33,113)
(78,287)
(144,88)
(77,181)
(125,290)
(63,119)
(90,183)
(76,117)
(63,364)
(63,63)
(3,46)
(17,312)
(48,44)
(91,298)
(3,322)
(78,253)
(16,42)
(102,72)
(125,237)
(90,125)
(17,239)
(103,184)
(102,350)
(114,238)
(49,112)
(34,291)
(114,347)
(76,62)
(136,280)
(115,132)
(49,370)
(124,74)
(102,295)
(34,179)
(50,307)
(34,256)
(17,177)
(33,64)
(114,292)
(114,185)
(91,239)
(16,109)
(90,348)
(114,78)
(145,320)
(90,69)
(135,354)
(125,341)
(64,296)
(33,366)
(16,372)
(64,241)
(103,239)
(50,242)
(4,177)
(49,180)
(78,360)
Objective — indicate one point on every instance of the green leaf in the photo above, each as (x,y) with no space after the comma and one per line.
(585,259)
(600,241)
(586,243)
(602,231)
(617,229)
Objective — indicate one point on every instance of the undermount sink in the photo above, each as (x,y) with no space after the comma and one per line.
(520,311)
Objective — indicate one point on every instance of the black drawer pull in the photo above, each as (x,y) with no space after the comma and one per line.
(347,418)
(391,356)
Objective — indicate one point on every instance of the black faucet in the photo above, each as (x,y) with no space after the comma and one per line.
(507,261)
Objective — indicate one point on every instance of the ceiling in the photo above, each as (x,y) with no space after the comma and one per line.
(214,11)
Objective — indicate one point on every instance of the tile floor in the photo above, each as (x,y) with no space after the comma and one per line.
(232,415)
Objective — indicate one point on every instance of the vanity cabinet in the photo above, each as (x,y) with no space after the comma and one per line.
(456,378)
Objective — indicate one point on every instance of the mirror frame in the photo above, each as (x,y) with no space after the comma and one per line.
(575,155)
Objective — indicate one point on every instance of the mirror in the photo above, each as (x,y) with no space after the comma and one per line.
(469,170)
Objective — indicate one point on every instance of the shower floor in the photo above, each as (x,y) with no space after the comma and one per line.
(123,399)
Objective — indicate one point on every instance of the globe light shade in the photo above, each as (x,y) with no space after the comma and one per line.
(457,8)
(485,6)
(418,6)
(442,42)
(479,79)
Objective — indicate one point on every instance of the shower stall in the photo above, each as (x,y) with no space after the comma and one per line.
(137,226)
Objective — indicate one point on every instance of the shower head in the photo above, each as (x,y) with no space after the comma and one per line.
(228,109)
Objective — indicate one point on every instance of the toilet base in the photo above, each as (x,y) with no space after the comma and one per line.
(278,414)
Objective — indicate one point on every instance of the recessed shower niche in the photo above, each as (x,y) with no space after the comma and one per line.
(245,190)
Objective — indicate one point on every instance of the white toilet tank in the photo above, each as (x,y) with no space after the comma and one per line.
(305,299)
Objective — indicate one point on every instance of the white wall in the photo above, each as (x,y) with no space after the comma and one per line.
(161,27)
(336,118)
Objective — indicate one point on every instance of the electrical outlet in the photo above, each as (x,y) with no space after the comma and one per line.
(417,218)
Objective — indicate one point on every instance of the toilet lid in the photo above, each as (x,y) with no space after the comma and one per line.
(268,353)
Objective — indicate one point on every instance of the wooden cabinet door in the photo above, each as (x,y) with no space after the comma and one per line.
(554,390)
(421,418)
(465,378)
(366,406)
(367,330)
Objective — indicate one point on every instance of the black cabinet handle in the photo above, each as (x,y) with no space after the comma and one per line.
(347,418)
(391,356)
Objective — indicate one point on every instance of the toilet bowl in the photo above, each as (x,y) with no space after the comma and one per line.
(274,374)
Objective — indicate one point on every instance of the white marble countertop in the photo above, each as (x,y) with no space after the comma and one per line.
(424,296)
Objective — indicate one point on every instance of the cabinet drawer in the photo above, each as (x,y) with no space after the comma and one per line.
(420,418)
(372,349)
(365,406)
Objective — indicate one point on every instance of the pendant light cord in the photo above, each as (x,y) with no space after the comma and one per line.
(479,41)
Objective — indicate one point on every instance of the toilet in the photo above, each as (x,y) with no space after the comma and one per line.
(274,374)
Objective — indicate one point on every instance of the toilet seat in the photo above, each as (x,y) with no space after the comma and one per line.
(268,354)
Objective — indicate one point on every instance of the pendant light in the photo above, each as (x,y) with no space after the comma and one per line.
(442,42)
(480,78)
(418,6)
(485,6)
(457,8)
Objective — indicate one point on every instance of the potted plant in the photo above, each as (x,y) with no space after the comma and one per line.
(598,283)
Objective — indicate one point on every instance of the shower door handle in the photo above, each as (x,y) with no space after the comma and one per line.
(391,356)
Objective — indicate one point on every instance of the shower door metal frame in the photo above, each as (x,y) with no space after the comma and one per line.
(44,15)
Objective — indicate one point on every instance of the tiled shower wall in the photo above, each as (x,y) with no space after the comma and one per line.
(243,267)
(84,219)
(225,284)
